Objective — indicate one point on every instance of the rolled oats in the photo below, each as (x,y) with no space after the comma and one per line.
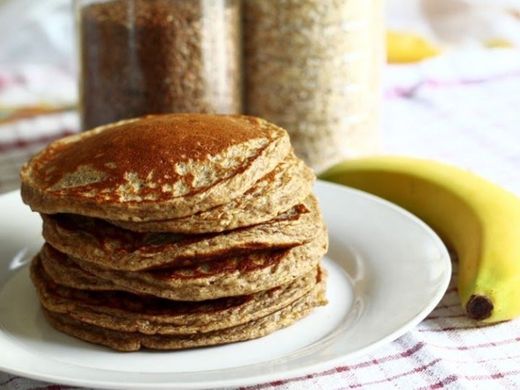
(313,67)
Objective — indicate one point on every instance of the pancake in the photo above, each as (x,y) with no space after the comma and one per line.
(237,275)
(101,243)
(282,188)
(133,341)
(65,272)
(153,168)
(127,312)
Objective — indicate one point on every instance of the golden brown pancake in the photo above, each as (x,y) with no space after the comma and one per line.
(155,167)
(119,310)
(236,275)
(99,242)
(284,187)
(133,341)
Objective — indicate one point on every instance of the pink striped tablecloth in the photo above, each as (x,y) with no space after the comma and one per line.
(452,111)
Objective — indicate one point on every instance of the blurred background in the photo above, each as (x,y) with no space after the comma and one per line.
(450,89)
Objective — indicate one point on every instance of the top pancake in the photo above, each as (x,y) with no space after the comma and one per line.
(288,184)
(155,167)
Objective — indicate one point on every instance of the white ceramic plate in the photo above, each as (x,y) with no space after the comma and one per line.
(387,271)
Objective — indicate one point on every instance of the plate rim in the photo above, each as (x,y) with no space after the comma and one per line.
(287,373)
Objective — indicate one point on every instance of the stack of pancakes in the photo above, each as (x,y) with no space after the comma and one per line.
(175,231)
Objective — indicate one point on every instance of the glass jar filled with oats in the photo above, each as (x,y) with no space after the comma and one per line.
(142,57)
(314,67)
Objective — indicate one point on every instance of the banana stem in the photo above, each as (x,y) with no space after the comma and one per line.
(479,307)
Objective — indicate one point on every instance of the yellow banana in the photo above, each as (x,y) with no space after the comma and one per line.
(405,47)
(478,219)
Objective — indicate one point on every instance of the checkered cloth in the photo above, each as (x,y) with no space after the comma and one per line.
(431,110)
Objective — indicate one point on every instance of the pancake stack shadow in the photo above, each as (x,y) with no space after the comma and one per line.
(175,231)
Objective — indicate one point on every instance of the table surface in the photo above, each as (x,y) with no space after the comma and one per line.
(450,110)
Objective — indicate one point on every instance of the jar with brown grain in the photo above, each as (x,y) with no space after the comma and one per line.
(141,57)
(314,67)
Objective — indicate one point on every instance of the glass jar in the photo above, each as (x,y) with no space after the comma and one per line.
(142,57)
(314,67)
